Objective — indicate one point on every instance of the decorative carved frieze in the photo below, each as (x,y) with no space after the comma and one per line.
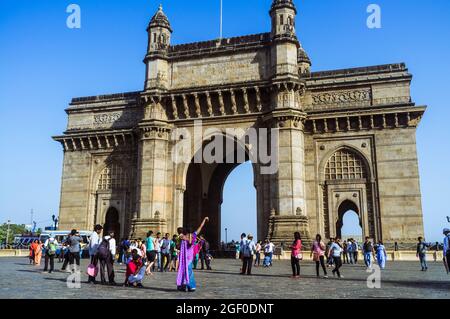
(116,118)
(360,97)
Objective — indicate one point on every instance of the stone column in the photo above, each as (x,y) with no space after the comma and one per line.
(288,192)
(153,192)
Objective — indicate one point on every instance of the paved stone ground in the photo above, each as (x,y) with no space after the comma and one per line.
(401,280)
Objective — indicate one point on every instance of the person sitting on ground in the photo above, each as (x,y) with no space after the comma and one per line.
(135,270)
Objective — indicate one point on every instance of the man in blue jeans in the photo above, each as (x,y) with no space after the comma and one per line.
(422,248)
(368,252)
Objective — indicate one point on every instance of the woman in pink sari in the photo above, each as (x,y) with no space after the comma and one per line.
(185,277)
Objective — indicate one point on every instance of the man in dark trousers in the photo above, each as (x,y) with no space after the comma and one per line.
(204,253)
(106,252)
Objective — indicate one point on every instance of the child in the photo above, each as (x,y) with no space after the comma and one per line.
(135,271)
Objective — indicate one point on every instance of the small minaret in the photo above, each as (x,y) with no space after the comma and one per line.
(159,33)
(283,14)
(285,43)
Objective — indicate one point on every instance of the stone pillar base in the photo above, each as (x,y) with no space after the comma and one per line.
(140,227)
(282,229)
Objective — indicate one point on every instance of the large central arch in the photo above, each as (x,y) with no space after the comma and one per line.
(203,195)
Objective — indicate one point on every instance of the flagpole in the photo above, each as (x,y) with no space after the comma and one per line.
(221,15)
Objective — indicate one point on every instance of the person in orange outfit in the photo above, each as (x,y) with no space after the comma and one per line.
(37,252)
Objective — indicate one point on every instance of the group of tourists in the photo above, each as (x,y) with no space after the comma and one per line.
(247,249)
(182,252)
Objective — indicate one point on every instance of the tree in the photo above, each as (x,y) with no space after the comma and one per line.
(14,229)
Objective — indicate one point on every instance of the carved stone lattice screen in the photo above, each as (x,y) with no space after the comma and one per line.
(113,177)
(344,164)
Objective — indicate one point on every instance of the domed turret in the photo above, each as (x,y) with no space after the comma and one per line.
(304,62)
(159,33)
(160,20)
(283,14)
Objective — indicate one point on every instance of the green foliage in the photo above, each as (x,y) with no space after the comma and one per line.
(14,229)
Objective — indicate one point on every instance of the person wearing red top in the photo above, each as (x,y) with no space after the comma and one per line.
(135,270)
(296,255)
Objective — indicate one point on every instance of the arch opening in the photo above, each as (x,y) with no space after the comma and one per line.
(203,195)
(112,222)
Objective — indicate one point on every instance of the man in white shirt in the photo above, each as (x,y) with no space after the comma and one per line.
(106,252)
(248,250)
(50,246)
(268,253)
(94,242)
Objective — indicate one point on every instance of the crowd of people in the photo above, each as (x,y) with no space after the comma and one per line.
(182,252)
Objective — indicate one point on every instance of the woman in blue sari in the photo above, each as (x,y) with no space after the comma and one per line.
(381,255)
(185,277)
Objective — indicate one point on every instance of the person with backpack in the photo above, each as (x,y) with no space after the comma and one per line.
(422,248)
(296,255)
(204,252)
(50,245)
(105,253)
(94,242)
(247,251)
(335,253)
(368,252)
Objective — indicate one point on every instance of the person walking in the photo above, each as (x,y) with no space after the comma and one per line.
(165,253)
(185,276)
(204,253)
(50,245)
(345,252)
(94,242)
(31,253)
(158,262)
(330,261)
(368,252)
(422,248)
(335,254)
(74,241)
(318,255)
(350,251)
(258,253)
(106,252)
(37,252)
(355,248)
(296,255)
(446,249)
(381,255)
(248,249)
(173,253)
(151,252)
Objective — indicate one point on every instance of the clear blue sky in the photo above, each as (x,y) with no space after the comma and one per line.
(43,64)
